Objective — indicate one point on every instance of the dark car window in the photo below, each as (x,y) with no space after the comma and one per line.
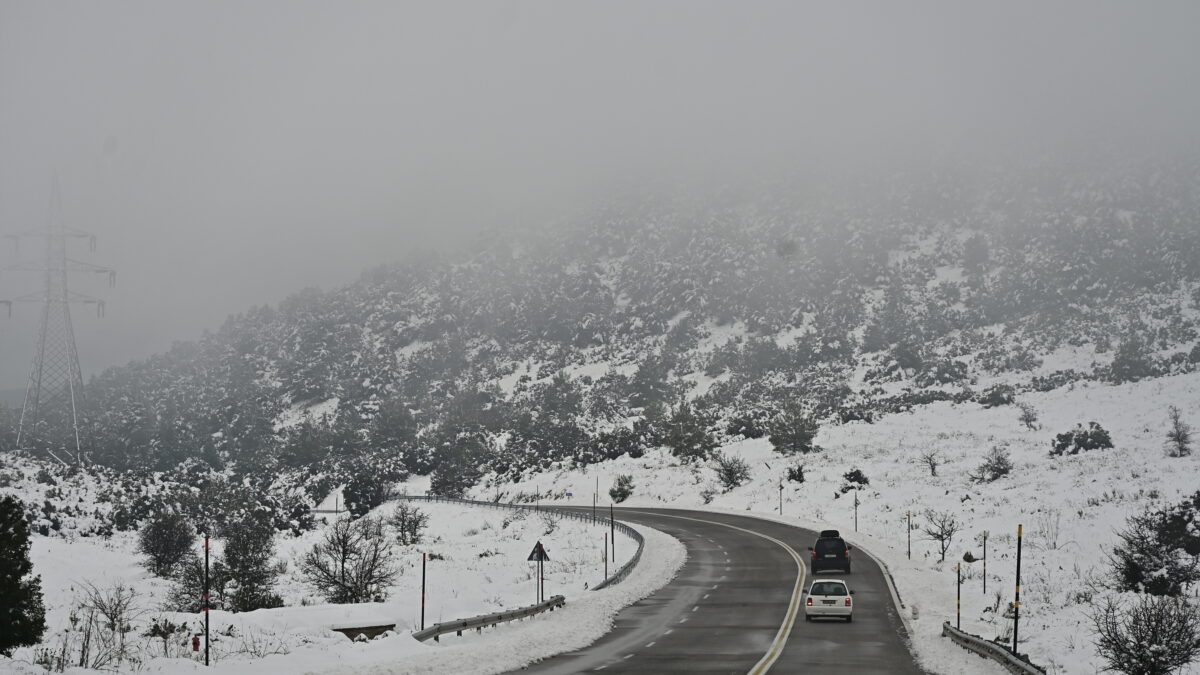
(828,588)
(830,546)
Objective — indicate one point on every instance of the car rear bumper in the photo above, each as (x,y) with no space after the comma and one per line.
(819,610)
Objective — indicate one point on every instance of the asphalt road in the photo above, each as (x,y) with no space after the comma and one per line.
(732,609)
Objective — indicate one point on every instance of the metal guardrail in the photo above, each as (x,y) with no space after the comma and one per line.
(479,622)
(583,516)
(992,650)
(485,620)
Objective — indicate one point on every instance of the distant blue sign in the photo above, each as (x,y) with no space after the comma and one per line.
(570,494)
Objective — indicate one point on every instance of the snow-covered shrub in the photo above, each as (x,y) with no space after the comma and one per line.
(622,488)
(187,584)
(1147,636)
(855,480)
(1029,415)
(1158,550)
(1093,437)
(731,471)
(164,540)
(1001,394)
(946,371)
(795,473)
(996,465)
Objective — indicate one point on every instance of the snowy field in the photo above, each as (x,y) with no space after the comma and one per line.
(1071,507)
(477,565)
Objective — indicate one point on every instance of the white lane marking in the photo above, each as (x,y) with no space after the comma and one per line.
(683,620)
(715,586)
(728,568)
(764,664)
(669,631)
(651,645)
(600,668)
(696,608)
(705,596)
(627,656)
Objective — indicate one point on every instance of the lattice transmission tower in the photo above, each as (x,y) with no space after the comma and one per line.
(52,415)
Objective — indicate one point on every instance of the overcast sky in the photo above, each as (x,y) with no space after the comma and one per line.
(230,153)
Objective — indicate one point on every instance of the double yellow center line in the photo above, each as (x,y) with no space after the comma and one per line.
(785,629)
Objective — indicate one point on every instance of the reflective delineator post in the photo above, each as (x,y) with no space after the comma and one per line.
(206,596)
(605,555)
(908,515)
(958,596)
(985,536)
(612,524)
(423,556)
(1017,598)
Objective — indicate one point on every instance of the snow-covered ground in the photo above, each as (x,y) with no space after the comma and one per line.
(477,565)
(1070,507)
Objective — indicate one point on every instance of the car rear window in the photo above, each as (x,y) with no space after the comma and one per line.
(830,546)
(828,588)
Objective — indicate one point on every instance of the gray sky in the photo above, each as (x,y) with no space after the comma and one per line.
(230,153)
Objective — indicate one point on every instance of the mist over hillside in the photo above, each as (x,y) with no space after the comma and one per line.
(570,344)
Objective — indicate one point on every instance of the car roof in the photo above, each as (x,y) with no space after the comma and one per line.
(824,580)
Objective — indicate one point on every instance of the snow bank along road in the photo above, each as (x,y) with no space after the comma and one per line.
(736,607)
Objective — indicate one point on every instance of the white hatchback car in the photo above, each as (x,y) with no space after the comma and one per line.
(829,598)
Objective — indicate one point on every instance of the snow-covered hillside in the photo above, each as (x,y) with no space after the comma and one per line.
(1070,507)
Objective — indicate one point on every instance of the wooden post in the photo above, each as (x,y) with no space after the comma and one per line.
(423,556)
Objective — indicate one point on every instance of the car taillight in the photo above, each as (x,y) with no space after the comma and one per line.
(847,602)
(847,553)
(810,602)
(814,554)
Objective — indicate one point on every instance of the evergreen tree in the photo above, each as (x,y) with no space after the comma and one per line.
(458,461)
(165,540)
(1132,359)
(687,434)
(249,545)
(792,431)
(22,615)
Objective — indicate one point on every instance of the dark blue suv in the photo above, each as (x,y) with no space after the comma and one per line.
(830,552)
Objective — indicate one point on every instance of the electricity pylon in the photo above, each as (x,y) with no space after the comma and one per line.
(52,415)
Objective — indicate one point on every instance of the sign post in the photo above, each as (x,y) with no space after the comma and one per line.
(539,555)
(423,556)
(612,524)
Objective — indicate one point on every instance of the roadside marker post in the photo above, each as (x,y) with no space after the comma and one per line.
(985,537)
(206,595)
(1017,598)
(958,596)
(908,515)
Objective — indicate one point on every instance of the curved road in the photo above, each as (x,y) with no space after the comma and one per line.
(732,609)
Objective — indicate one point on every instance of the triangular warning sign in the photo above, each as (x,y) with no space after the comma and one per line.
(538,553)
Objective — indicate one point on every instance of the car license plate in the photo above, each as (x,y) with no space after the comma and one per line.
(829,602)
(830,555)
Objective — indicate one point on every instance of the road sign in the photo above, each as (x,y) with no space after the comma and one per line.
(538,553)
